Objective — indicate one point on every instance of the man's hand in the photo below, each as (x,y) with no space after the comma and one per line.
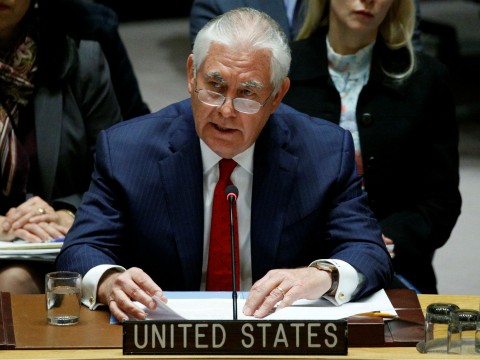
(120,290)
(390,245)
(281,288)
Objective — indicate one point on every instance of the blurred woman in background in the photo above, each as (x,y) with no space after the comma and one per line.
(55,97)
(354,65)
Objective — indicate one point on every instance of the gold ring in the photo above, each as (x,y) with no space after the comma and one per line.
(281,290)
(41,211)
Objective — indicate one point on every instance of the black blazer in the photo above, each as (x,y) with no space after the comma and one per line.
(409,142)
(87,20)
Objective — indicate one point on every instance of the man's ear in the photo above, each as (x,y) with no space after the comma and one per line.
(190,75)
(280,94)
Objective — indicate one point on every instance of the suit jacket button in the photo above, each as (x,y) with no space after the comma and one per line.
(366,119)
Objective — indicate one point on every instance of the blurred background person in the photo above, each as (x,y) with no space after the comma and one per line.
(287,13)
(88,20)
(55,97)
(354,65)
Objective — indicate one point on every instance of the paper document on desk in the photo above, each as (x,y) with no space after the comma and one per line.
(196,307)
(20,249)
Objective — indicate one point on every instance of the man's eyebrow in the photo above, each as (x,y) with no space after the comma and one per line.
(215,76)
(252,84)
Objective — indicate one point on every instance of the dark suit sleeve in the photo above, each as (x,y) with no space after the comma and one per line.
(353,229)
(93,238)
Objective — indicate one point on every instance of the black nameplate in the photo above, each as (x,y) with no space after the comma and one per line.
(230,337)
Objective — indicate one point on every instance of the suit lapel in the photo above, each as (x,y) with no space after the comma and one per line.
(274,172)
(182,177)
(48,125)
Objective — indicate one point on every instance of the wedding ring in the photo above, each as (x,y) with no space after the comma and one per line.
(281,290)
(41,211)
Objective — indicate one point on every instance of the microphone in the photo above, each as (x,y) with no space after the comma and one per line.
(231,191)
(232,194)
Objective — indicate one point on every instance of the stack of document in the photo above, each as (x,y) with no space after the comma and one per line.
(24,250)
(218,306)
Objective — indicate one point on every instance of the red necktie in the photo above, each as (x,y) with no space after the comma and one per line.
(219,273)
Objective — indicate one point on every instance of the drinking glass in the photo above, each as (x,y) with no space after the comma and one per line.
(477,335)
(437,320)
(461,331)
(63,292)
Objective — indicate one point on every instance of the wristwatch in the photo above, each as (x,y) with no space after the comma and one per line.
(330,268)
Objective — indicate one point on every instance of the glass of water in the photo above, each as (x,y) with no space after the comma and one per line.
(63,292)
(461,331)
(437,320)
(477,335)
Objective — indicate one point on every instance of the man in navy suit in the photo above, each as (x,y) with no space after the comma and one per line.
(305,230)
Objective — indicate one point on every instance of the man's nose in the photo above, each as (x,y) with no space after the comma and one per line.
(227,107)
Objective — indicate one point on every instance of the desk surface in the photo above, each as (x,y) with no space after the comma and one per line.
(387,353)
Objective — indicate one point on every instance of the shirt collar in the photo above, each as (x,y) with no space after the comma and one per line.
(210,158)
(354,64)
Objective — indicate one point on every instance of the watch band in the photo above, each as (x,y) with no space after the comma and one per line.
(330,268)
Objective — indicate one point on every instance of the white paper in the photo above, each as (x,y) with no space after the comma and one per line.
(220,308)
(22,245)
(24,250)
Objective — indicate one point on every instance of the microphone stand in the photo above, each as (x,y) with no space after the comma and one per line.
(232,193)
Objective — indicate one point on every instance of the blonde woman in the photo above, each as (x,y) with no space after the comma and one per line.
(353,64)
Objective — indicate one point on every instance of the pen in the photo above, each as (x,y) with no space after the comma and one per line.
(378,314)
(56,240)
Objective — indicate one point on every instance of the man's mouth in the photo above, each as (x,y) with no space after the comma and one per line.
(221,128)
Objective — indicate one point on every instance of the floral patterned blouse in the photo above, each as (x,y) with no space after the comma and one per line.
(350,73)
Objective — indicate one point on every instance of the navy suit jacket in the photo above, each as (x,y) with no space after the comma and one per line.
(145,206)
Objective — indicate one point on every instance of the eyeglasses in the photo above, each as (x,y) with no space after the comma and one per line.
(242,105)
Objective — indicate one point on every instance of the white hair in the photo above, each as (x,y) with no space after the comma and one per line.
(246,28)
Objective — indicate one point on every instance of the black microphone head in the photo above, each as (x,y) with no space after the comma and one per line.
(231,190)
